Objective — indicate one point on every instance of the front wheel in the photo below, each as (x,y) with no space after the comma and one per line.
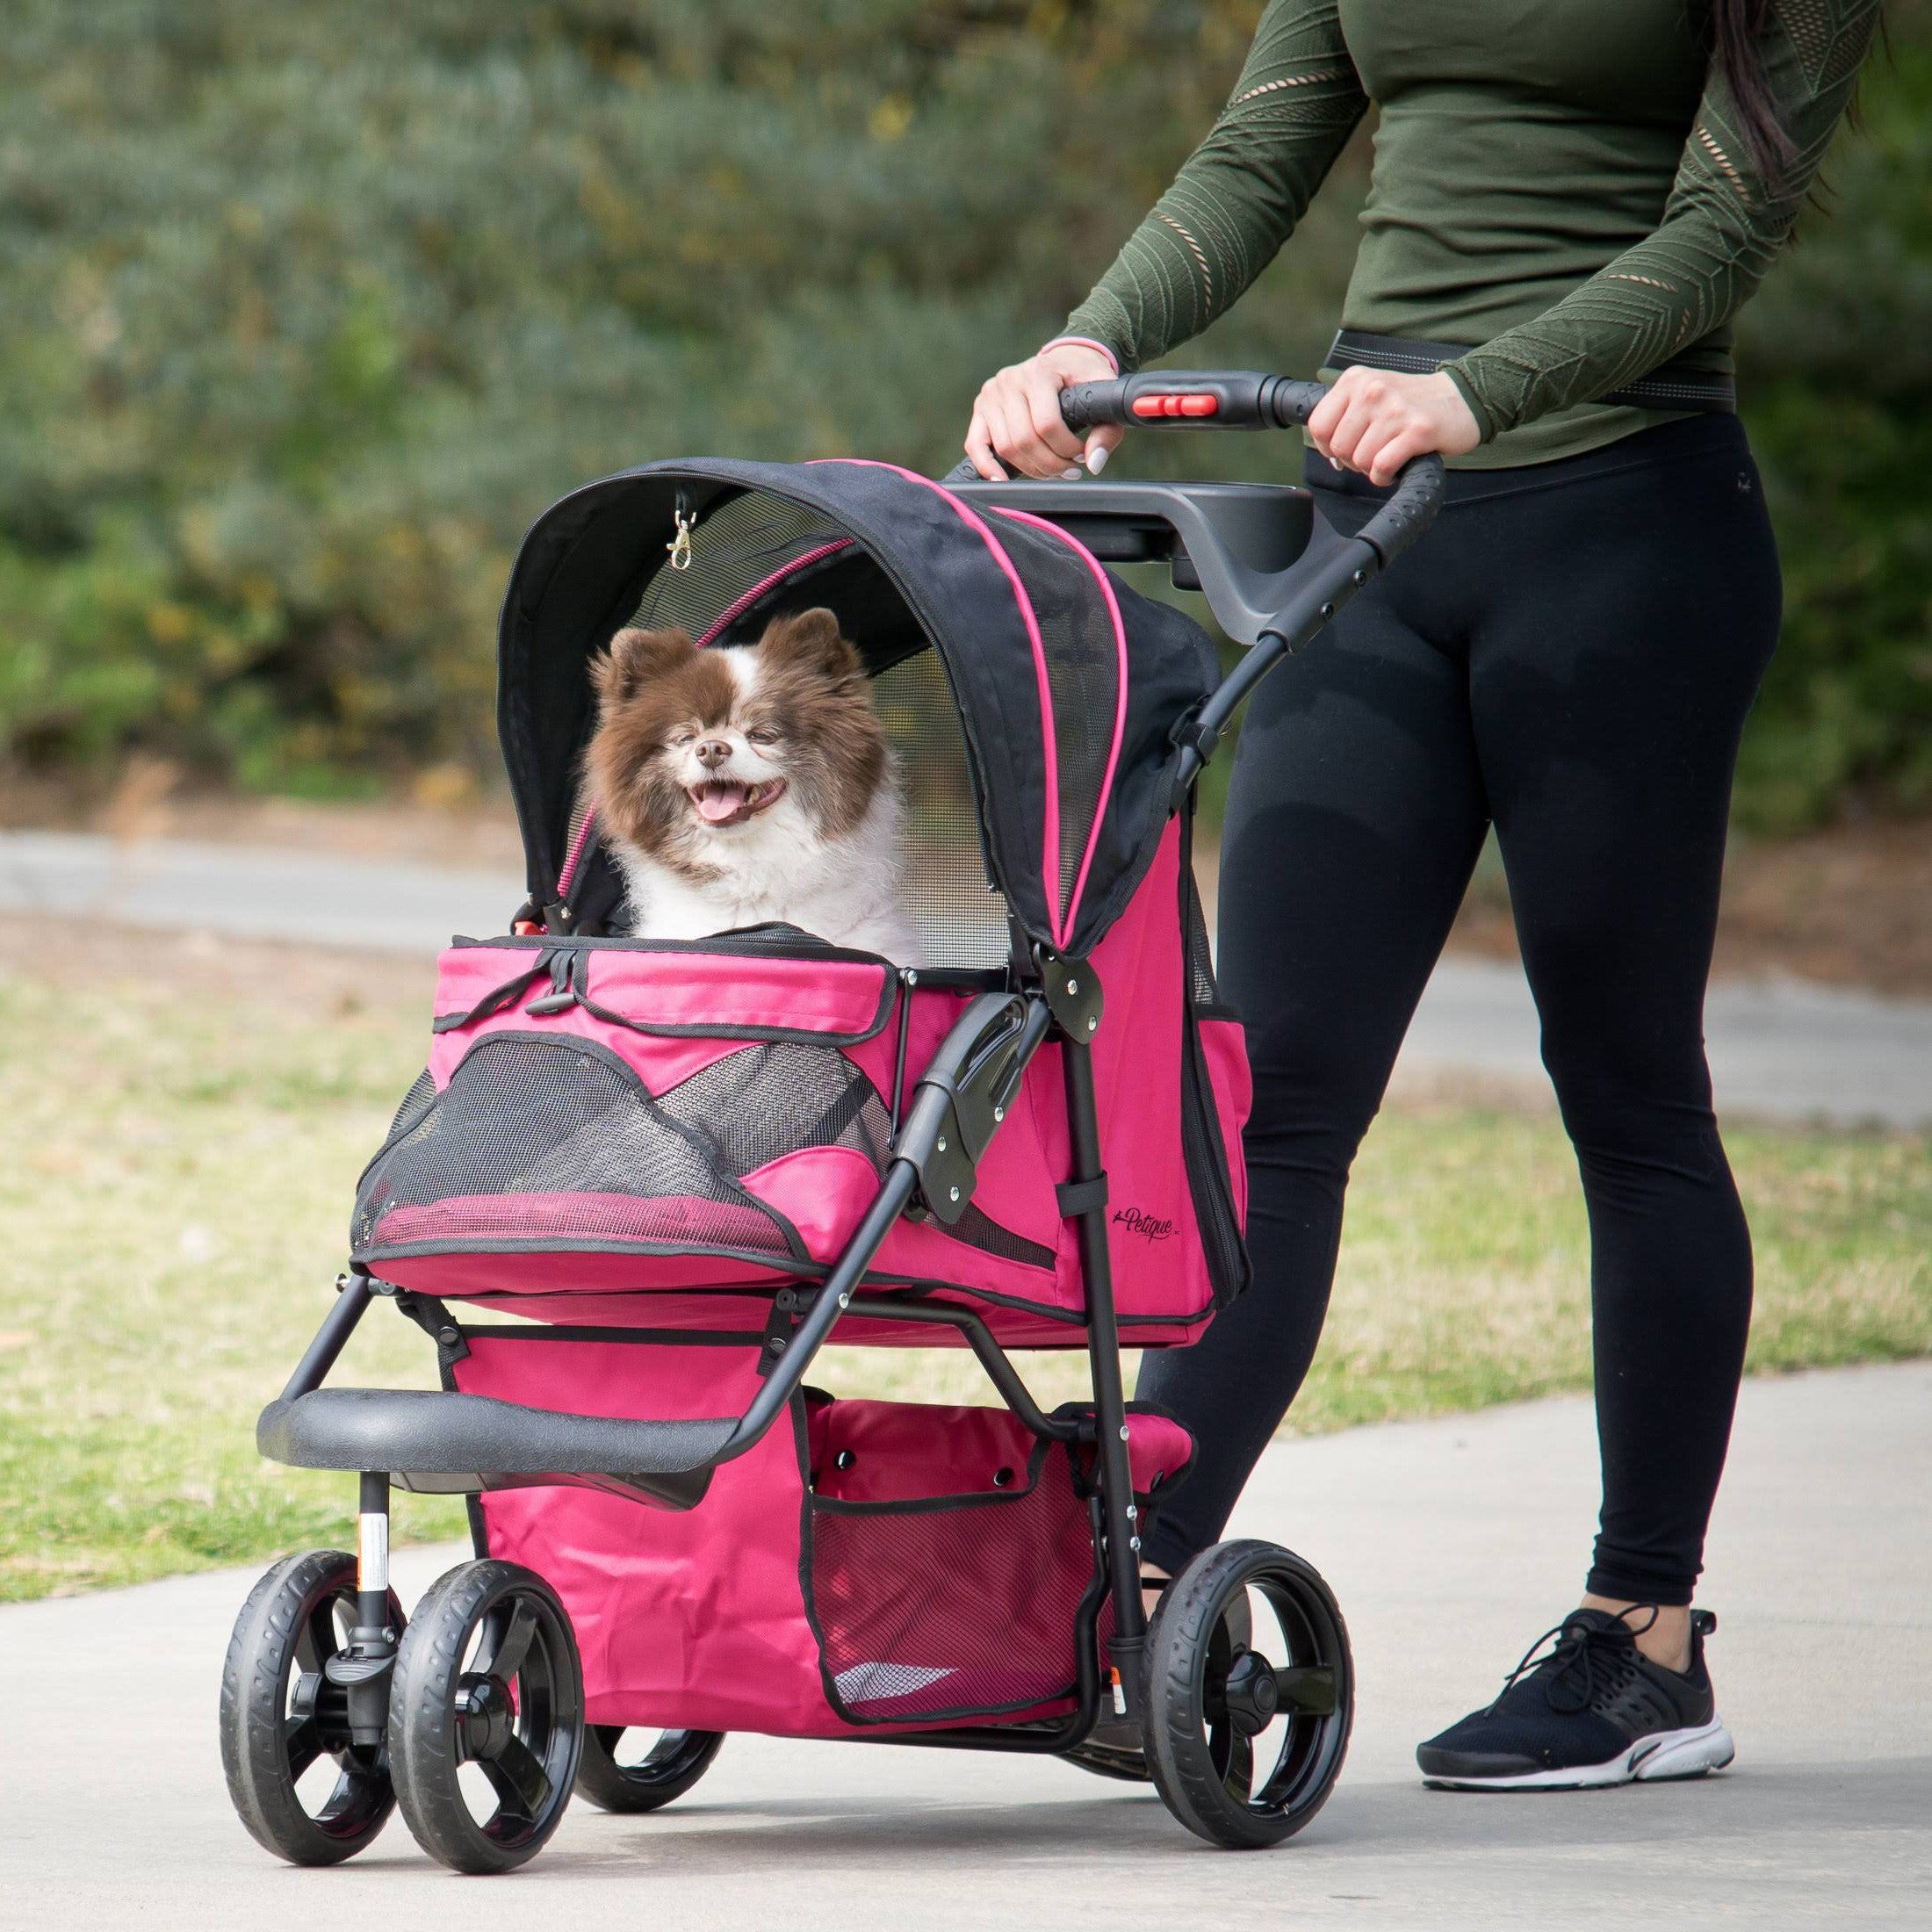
(300,1784)
(485,1717)
(1250,1695)
(615,1776)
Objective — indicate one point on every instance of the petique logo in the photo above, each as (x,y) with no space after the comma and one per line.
(1145,1225)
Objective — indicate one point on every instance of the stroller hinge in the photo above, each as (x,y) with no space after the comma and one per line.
(1073,993)
(962,1096)
(787,1307)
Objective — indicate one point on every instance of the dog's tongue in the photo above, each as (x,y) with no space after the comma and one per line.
(717,803)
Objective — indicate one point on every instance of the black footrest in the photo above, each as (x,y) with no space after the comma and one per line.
(417,1431)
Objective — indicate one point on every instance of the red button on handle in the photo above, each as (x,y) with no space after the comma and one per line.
(1192,404)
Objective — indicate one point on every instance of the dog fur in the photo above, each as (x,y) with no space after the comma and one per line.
(749,784)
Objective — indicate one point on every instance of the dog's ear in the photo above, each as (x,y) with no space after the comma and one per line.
(811,639)
(636,659)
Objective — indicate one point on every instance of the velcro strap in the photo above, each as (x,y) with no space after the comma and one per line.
(1080,1197)
(1673,384)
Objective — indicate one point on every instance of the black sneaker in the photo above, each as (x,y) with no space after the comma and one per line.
(1594,1711)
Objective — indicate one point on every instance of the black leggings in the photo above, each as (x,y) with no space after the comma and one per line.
(1570,653)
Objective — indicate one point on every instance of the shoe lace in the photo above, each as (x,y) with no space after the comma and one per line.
(1586,1660)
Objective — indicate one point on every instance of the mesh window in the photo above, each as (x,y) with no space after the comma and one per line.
(733,551)
(1083,673)
(982,1231)
(960,918)
(965,1606)
(550,1118)
(1204,990)
(774,1099)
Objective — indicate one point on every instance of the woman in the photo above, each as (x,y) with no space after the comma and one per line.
(1586,191)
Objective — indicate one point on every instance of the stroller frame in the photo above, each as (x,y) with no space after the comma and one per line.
(1274,573)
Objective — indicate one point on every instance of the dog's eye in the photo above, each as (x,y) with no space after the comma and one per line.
(764,734)
(684,736)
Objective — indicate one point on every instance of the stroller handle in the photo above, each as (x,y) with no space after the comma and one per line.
(1247,398)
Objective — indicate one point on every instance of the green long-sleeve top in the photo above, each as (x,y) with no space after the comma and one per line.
(1564,183)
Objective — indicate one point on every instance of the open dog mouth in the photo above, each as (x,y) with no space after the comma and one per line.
(725,802)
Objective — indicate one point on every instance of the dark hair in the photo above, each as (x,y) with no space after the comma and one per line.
(1734,27)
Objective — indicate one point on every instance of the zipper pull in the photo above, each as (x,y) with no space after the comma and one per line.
(684,515)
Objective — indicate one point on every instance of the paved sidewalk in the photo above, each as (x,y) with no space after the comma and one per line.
(1449,1543)
(1780,1050)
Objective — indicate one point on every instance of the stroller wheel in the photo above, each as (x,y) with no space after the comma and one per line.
(485,1717)
(1250,1695)
(615,1779)
(304,1789)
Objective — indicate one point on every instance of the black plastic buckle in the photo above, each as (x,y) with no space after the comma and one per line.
(565,988)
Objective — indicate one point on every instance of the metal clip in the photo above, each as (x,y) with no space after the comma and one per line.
(680,545)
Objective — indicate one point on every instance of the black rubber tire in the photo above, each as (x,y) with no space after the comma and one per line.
(1189,1651)
(430,1698)
(673,1765)
(279,1635)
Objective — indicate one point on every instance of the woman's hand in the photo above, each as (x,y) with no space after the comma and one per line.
(1016,420)
(1374,422)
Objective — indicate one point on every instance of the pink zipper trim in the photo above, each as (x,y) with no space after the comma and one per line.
(576,850)
(1119,701)
(739,606)
(1049,861)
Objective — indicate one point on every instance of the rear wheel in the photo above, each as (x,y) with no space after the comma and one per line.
(485,1717)
(637,1770)
(299,1781)
(1250,1695)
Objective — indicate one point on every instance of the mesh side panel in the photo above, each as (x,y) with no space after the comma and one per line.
(542,1138)
(416,1103)
(733,551)
(1082,674)
(754,1105)
(978,1231)
(964,1608)
(1204,988)
(960,920)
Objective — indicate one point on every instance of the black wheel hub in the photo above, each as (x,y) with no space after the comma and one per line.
(486,1716)
(1244,1749)
(1251,1697)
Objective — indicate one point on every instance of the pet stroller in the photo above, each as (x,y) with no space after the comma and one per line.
(656,1177)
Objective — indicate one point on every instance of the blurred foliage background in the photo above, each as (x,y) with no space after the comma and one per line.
(308,311)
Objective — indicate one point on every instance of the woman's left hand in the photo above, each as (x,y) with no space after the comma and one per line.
(1374,422)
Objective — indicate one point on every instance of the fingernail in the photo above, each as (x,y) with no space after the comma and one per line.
(1333,465)
(1096,458)
(1071,474)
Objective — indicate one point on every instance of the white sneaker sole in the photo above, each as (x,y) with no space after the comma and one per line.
(1655,1759)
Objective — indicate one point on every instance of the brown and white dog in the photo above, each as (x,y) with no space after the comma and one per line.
(750,784)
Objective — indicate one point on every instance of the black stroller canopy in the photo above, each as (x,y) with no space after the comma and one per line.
(1068,684)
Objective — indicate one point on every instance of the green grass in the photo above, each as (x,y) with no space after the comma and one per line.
(176,1169)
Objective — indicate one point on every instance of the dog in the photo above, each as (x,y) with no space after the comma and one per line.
(750,785)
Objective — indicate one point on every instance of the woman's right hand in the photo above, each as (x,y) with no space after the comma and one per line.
(1016,419)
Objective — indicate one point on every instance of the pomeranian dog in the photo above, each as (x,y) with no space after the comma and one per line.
(750,784)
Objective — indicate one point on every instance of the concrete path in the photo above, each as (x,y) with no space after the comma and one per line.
(1451,1544)
(1779,1050)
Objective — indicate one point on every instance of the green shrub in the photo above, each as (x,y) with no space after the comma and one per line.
(309,310)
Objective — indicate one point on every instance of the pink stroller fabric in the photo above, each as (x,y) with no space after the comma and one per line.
(642,1144)
(601,1119)
(870,1564)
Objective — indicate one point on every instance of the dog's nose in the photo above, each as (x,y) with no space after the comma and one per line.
(713,751)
